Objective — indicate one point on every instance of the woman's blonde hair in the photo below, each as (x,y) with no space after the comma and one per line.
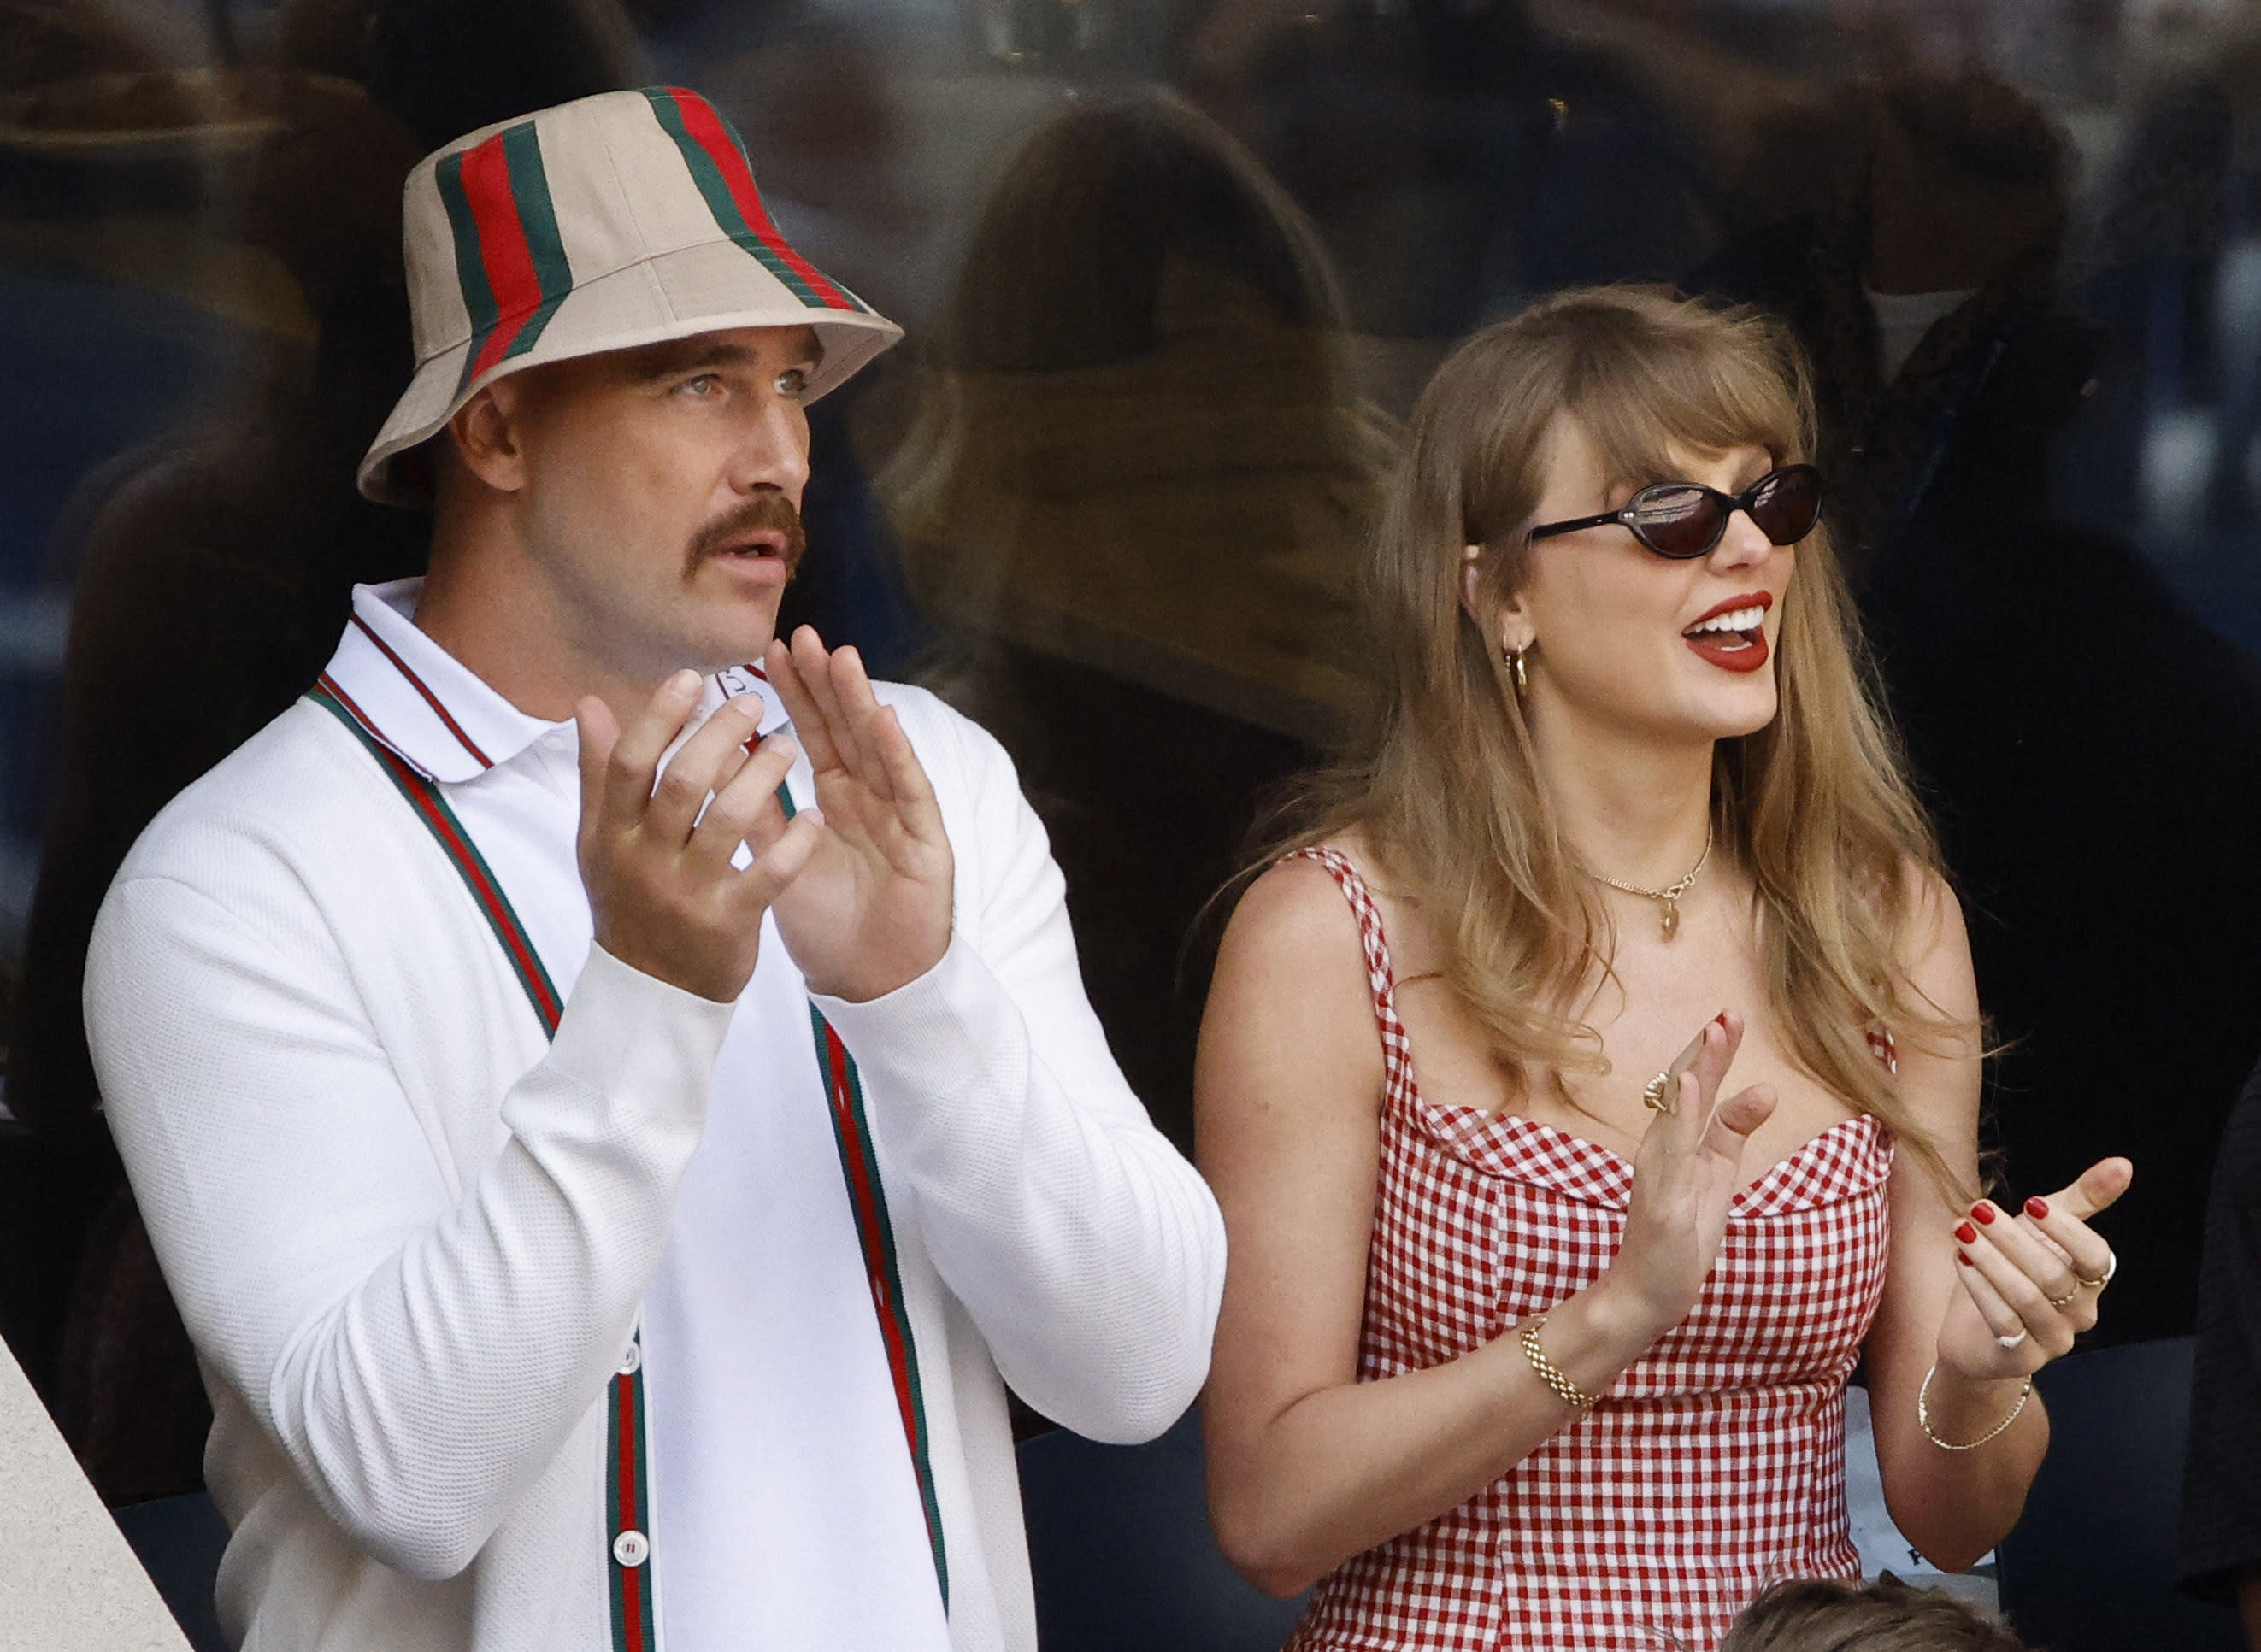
(1442,780)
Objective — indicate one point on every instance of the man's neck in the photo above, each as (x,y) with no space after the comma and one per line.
(1632,807)
(487,604)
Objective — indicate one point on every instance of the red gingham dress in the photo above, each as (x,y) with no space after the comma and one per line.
(1714,1465)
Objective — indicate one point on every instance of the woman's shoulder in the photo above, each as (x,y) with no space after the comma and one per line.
(1308,895)
(1932,934)
(1302,923)
(1291,1002)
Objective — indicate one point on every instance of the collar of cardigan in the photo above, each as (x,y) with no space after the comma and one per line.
(437,714)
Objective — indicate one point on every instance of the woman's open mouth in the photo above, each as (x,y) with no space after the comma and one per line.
(1732,636)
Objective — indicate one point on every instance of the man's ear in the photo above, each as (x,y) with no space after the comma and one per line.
(489,434)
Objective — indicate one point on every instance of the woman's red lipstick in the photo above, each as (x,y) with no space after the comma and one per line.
(1743,647)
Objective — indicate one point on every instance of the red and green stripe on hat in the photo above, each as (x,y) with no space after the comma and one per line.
(716,155)
(511,261)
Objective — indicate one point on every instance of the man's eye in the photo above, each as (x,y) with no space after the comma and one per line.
(705,384)
(792,382)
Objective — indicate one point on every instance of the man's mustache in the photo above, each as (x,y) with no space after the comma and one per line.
(766,510)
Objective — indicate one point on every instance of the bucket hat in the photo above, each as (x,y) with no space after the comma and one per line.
(622,219)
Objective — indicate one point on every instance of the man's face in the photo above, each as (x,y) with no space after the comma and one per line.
(661,492)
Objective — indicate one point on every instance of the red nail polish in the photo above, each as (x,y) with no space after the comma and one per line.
(2037,1208)
(1985,1212)
(1721,1018)
(1964,1260)
(1967,1234)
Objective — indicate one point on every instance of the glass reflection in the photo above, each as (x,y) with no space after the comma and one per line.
(1131,504)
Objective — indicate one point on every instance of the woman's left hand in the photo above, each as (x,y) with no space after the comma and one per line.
(2031,1280)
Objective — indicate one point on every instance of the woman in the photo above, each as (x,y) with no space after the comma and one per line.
(1540,1350)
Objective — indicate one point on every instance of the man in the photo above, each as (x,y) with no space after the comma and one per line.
(612,1154)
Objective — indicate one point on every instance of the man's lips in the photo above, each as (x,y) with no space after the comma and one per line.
(769,542)
(1732,633)
(759,559)
(760,540)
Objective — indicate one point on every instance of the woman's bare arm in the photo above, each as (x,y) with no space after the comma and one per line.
(1955,1506)
(1309,1466)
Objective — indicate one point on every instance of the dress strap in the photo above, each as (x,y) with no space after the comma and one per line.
(1381,982)
(1882,1047)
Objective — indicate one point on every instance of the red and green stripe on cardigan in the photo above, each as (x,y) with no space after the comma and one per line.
(627,1458)
(632,1608)
(867,1200)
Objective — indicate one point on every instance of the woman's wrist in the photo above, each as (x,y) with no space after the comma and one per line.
(1632,1320)
(1592,1337)
(1958,1407)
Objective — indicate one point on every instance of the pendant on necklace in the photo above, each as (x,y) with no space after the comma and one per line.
(1671,916)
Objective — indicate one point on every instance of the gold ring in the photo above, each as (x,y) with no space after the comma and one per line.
(1654,1091)
(2058,1302)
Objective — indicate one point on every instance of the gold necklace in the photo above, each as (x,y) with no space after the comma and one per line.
(1670,895)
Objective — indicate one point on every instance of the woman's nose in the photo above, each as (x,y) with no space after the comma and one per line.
(1743,542)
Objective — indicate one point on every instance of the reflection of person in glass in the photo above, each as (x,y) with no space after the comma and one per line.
(1542,1351)
(592,1192)
(1133,504)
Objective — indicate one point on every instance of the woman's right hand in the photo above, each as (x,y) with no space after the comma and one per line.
(1688,1171)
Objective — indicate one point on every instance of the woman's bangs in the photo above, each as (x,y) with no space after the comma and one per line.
(1639,417)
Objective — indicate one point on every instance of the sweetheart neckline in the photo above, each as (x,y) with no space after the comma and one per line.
(1610,1153)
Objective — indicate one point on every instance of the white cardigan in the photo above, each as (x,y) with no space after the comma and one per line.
(409,1239)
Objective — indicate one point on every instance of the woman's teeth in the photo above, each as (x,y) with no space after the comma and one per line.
(1740,619)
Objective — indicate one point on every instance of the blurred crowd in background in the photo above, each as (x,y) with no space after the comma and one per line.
(1173,271)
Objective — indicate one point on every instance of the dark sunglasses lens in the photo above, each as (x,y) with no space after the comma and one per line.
(1677,521)
(1788,505)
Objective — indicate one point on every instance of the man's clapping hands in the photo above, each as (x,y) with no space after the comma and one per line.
(860,884)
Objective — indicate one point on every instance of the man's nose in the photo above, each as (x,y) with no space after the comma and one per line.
(773,448)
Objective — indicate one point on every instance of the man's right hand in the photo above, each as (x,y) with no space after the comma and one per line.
(662,887)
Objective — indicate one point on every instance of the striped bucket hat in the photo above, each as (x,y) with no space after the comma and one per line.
(614,221)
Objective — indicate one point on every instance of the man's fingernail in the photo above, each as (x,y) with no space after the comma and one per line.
(1967,1234)
(1985,1212)
(2037,1208)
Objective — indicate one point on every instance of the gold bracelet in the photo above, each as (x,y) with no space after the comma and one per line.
(1552,1375)
(1923,1415)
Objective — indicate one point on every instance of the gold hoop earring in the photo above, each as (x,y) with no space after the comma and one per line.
(1512,659)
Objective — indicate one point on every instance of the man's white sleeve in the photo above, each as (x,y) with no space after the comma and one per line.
(1088,1250)
(420,1353)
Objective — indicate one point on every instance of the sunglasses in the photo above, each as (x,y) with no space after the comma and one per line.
(1682,519)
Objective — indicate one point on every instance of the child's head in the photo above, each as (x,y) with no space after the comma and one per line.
(1812,1615)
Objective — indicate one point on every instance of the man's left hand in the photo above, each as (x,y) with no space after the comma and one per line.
(871,911)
